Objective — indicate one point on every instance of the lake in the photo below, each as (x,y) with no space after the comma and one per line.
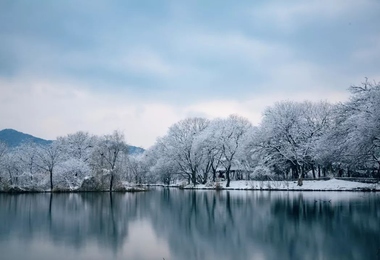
(176,224)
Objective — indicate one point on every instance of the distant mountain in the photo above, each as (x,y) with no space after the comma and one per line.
(14,138)
(135,150)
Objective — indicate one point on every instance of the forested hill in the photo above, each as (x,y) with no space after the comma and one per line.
(13,138)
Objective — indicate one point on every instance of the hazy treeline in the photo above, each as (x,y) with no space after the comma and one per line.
(294,140)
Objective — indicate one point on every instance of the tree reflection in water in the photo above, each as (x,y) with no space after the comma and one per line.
(199,224)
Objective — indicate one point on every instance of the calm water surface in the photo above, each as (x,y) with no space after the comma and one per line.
(176,225)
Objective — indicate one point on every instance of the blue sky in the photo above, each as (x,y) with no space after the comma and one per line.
(140,66)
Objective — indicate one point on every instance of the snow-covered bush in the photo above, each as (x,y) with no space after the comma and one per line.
(262,173)
(70,174)
(38,181)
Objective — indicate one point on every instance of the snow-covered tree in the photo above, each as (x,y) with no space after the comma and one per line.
(77,150)
(354,141)
(288,135)
(318,119)
(179,145)
(3,159)
(3,149)
(137,168)
(24,163)
(230,136)
(211,152)
(364,134)
(11,167)
(70,174)
(48,157)
(79,145)
(108,153)
(159,167)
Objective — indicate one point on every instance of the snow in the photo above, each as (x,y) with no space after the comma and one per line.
(314,185)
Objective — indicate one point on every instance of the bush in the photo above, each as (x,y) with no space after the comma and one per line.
(262,173)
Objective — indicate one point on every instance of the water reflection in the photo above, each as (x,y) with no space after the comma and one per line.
(175,224)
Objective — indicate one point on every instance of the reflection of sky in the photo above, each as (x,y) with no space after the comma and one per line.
(190,225)
(74,65)
(141,244)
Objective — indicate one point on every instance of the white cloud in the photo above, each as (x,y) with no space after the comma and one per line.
(177,69)
(47,110)
(253,106)
(54,107)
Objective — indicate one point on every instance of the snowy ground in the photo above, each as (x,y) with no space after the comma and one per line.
(328,185)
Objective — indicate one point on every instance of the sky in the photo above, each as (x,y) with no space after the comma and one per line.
(141,66)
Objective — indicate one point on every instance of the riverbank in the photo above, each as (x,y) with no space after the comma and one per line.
(308,185)
(125,187)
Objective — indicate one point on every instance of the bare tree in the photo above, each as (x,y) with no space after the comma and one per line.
(179,146)
(79,145)
(110,149)
(288,136)
(3,152)
(354,141)
(48,157)
(231,133)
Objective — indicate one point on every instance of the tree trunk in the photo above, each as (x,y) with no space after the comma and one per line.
(319,171)
(205,177)
(303,171)
(300,176)
(295,172)
(193,178)
(300,181)
(228,176)
(10,177)
(340,172)
(313,170)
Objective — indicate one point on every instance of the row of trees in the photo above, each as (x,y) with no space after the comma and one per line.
(196,149)
(77,161)
(294,140)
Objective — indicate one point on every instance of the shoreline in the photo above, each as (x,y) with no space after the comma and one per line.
(308,186)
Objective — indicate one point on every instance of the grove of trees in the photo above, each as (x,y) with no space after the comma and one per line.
(295,140)
(76,162)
